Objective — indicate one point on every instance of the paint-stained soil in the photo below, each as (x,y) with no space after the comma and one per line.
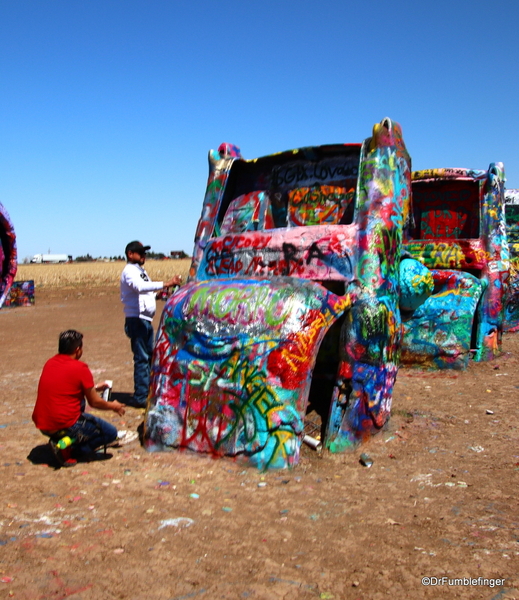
(440,499)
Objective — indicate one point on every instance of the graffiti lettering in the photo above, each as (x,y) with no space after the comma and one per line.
(320,258)
(239,242)
(295,174)
(289,255)
(245,405)
(239,305)
(314,252)
(439,255)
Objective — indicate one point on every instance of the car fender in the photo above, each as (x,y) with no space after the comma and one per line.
(232,367)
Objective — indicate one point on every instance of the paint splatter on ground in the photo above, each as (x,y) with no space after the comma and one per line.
(430,505)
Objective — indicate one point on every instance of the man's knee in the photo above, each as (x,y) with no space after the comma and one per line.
(110,433)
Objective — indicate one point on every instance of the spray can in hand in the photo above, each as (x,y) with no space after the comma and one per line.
(107,392)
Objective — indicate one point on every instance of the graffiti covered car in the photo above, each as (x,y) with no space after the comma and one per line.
(512,231)
(8,254)
(459,234)
(292,298)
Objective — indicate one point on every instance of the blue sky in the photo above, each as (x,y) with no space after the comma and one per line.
(108,108)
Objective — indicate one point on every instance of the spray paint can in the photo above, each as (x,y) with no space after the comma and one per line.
(65,442)
(312,442)
(365,460)
(107,393)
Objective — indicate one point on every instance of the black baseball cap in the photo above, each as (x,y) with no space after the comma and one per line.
(136,247)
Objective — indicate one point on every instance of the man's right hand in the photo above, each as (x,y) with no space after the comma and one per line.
(177,280)
(117,407)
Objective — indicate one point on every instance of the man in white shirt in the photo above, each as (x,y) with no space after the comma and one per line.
(138,298)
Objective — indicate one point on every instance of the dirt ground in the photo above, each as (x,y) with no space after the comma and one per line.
(440,500)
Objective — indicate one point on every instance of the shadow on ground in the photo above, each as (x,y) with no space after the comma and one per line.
(43,455)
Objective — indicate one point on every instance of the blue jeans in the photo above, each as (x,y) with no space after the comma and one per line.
(91,433)
(140,332)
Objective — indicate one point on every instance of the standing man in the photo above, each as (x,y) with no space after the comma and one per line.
(138,297)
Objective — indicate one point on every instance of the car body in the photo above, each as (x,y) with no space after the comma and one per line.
(292,299)
(459,234)
(8,254)
(512,231)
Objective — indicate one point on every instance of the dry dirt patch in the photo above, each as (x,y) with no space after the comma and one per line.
(439,501)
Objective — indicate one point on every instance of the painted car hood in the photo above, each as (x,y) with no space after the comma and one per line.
(232,367)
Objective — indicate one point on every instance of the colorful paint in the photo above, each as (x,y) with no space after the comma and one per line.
(416,284)
(512,221)
(459,233)
(442,338)
(512,230)
(293,296)
(21,293)
(232,367)
(7,254)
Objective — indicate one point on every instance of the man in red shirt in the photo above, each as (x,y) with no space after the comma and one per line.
(64,384)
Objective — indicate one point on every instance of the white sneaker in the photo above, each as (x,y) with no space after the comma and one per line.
(123,437)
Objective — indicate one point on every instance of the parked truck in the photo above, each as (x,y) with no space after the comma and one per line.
(51,258)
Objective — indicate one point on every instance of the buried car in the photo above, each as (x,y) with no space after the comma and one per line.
(459,234)
(8,262)
(292,299)
(512,231)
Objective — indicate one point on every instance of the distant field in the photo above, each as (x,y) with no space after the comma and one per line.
(96,274)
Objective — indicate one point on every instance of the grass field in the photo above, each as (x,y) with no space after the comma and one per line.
(96,274)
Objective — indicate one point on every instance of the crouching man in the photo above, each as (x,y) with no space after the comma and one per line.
(59,413)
